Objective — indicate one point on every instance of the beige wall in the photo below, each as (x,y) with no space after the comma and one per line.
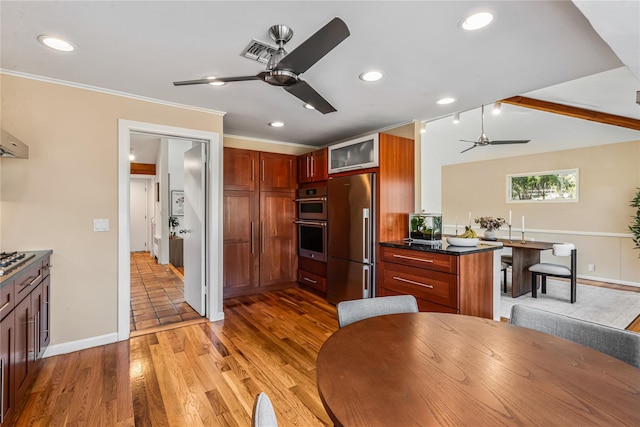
(597,224)
(71,177)
(267,146)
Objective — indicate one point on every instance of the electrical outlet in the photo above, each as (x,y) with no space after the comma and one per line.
(592,267)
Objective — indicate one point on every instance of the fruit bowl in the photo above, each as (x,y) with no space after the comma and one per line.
(461,241)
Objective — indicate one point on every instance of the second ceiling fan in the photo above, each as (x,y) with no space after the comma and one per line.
(484,140)
(284,69)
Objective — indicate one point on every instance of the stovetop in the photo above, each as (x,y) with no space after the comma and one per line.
(10,261)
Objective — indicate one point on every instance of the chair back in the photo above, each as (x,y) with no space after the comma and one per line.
(263,413)
(563,249)
(618,343)
(354,310)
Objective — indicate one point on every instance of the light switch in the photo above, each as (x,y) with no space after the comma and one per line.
(100,225)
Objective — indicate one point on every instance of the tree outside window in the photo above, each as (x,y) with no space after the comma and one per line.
(549,186)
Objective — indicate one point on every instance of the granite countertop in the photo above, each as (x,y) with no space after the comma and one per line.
(39,256)
(440,247)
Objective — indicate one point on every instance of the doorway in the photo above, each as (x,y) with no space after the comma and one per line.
(211,290)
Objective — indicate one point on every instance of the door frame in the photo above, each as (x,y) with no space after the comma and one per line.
(213,237)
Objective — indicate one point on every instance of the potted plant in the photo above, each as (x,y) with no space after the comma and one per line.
(173,222)
(635,227)
(490,224)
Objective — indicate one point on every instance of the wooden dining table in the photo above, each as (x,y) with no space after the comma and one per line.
(431,369)
(524,254)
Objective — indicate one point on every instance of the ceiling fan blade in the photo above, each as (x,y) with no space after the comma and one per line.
(473,146)
(513,141)
(466,140)
(315,47)
(306,93)
(219,79)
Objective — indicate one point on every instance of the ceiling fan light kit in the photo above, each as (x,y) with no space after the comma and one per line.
(284,69)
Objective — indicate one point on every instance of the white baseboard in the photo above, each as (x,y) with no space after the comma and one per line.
(606,279)
(70,347)
(216,317)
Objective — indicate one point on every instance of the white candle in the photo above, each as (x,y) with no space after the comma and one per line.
(509,216)
(456,224)
(469,218)
(523,223)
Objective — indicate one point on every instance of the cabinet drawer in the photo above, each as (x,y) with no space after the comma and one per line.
(423,305)
(434,286)
(27,281)
(432,261)
(312,280)
(7,298)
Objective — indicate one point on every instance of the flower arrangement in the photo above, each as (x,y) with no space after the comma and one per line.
(490,223)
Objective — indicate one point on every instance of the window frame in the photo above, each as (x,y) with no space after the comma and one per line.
(574,171)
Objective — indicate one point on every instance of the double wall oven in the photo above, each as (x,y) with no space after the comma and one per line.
(312,223)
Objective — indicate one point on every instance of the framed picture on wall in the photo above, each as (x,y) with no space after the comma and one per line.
(177,202)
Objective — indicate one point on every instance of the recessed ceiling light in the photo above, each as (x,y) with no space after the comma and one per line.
(56,43)
(276,124)
(423,128)
(132,156)
(456,118)
(309,106)
(371,76)
(477,21)
(215,82)
(445,101)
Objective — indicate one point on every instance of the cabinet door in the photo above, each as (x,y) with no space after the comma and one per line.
(24,348)
(277,172)
(240,169)
(319,165)
(6,364)
(241,245)
(278,254)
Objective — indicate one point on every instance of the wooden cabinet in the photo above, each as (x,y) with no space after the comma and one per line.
(440,282)
(176,250)
(312,167)
(24,334)
(258,213)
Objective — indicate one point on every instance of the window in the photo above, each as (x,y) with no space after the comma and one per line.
(549,186)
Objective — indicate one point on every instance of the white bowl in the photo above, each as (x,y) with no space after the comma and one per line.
(461,241)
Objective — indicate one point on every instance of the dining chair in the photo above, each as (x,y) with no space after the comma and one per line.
(354,310)
(263,413)
(618,343)
(544,269)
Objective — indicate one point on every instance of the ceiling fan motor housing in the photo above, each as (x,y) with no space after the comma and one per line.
(281,78)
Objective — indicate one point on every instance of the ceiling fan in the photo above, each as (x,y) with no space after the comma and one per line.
(284,69)
(484,140)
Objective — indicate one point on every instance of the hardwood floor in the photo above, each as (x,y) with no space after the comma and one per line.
(157,294)
(198,375)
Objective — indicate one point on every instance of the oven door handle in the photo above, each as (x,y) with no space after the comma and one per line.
(311,199)
(304,222)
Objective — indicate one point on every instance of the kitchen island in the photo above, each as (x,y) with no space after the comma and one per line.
(443,278)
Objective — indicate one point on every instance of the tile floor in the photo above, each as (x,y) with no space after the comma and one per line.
(157,294)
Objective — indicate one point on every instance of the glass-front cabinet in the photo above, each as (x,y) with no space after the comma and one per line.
(359,153)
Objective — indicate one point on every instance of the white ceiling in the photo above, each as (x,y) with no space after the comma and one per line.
(140,48)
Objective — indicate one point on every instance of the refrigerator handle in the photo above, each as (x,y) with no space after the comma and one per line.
(365,282)
(365,235)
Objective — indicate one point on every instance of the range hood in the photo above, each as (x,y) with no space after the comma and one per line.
(10,146)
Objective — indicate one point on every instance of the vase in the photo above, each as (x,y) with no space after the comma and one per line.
(490,234)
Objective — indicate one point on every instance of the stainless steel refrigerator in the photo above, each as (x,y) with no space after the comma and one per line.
(351,226)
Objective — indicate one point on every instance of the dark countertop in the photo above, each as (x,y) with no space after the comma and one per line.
(441,247)
(39,256)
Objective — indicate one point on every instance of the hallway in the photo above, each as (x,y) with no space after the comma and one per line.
(157,294)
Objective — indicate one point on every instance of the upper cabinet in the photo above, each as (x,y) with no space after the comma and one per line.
(312,167)
(356,154)
(248,170)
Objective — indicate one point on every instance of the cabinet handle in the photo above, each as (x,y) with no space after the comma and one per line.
(307,175)
(263,171)
(424,285)
(37,278)
(312,166)
(251,237)
(309,280)
(262,236)
(2,391)
(5,305)
(253,170)
(36,337)
(413,259)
